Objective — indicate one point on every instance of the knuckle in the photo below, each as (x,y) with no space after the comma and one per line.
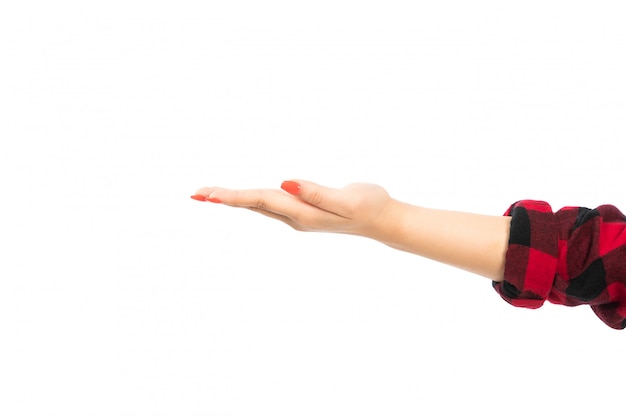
(315,197)
(261,201)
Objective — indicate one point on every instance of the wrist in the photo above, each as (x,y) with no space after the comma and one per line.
(386,225)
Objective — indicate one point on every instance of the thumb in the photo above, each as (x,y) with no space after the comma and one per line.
(329,199)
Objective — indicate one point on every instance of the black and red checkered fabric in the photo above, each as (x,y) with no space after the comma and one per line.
(572,257)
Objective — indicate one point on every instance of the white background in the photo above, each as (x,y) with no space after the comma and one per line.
(121,296)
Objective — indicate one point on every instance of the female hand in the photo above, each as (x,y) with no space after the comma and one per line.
(358,209)
(474,242)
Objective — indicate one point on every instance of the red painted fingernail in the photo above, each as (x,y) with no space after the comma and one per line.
(291,187)
(199,197)
(214,200)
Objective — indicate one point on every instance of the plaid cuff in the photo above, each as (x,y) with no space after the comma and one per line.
(532,254)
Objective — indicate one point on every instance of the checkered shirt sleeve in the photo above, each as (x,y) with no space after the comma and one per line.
(572,257)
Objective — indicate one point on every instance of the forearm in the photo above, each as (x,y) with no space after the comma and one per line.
(473,242)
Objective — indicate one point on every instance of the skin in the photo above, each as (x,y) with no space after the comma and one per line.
(473,242)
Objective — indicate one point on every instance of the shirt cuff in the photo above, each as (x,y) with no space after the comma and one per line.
(532,254)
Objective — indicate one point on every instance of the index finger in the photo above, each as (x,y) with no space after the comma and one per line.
(274,201)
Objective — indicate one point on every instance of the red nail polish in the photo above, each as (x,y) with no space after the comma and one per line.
(214,200)
(291,187)
(199,197)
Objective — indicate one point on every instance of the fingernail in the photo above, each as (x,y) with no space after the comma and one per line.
(291,187)
(199,197)
(214,200)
